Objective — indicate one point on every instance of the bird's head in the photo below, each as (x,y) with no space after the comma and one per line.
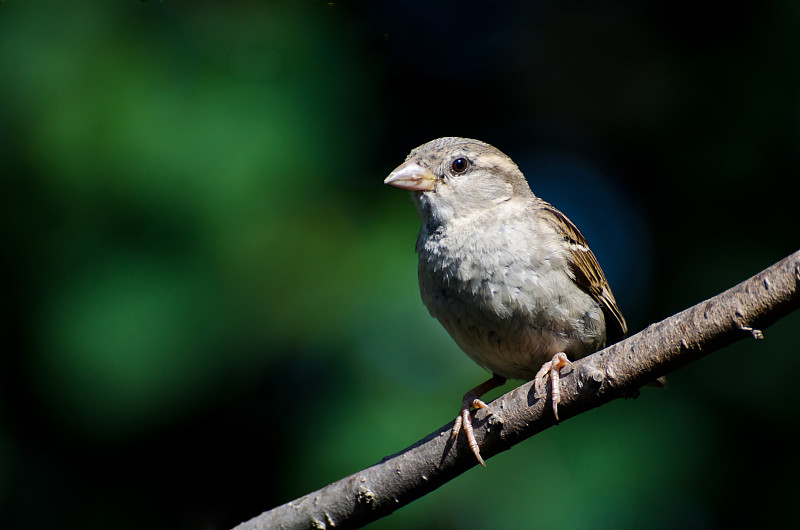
(454,177)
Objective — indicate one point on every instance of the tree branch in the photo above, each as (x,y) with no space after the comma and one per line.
(617,371)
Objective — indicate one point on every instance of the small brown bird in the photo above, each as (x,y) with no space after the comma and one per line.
(508,275)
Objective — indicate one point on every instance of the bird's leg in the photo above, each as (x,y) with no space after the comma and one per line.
(472,400)
(553,366)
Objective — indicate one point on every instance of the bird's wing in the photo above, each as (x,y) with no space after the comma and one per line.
(588,273)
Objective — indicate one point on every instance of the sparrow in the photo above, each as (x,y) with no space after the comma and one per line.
(509,276)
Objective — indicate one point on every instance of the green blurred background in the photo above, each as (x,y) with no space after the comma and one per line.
(210,302)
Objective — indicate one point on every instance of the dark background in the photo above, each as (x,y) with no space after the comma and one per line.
(210,302)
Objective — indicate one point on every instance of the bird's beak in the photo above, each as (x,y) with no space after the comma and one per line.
(411,176)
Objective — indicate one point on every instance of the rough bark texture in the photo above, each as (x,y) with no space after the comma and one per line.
(618,371)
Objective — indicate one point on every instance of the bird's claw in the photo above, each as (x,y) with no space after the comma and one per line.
(553,367)
(464,421)
(472,400)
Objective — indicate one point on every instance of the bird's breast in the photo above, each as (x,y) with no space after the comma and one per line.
(505,297)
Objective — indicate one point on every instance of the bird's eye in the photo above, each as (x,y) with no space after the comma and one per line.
(460,165)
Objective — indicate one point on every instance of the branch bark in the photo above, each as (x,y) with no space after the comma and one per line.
(617,371)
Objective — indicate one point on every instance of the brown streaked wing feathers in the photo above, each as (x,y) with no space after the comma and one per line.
(588,274)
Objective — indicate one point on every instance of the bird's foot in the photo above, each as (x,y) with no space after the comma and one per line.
(553,366)
(464,421)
